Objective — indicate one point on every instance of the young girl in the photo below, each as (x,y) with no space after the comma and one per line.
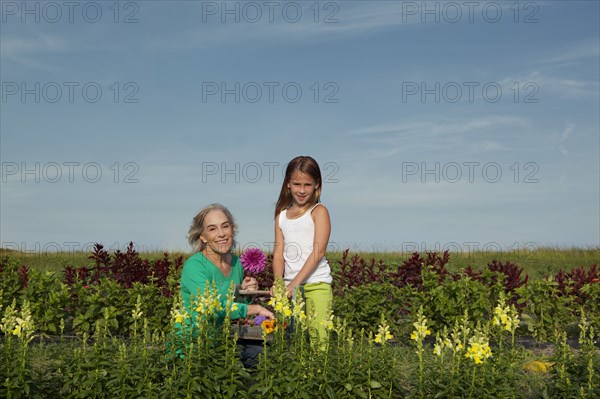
(302,228)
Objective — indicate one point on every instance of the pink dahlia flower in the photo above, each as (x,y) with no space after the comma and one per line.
(253,260)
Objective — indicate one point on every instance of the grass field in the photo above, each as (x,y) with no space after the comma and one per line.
(537,263)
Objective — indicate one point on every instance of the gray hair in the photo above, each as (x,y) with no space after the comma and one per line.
(197,226)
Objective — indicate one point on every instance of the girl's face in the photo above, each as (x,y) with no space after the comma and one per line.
(217,232)
(302,188)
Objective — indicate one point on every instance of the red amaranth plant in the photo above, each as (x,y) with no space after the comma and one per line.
(510,281)
(570,283)
(23,275)
(409,272)
(126,268)
(3,264)
(437,263)
(470,272)
(512,273)
(357,271)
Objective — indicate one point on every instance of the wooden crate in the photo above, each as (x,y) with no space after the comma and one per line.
(247,331)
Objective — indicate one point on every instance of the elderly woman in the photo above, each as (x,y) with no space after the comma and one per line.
(212,235)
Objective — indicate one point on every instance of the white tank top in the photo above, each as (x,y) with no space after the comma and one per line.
(298,238)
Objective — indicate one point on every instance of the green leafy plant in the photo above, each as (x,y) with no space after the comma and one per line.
(362,306)
(576,373)
(445,300)
(546,308)
(128,342)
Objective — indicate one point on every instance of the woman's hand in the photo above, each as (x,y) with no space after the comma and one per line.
(260,311)
(250,284)
(266,312)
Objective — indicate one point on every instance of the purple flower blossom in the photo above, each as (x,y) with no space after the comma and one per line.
(253,260)
(258,320)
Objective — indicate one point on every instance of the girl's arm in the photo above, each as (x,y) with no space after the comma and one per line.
(320,216)
(278,261)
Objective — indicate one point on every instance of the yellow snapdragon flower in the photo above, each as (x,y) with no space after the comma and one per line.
(383,335)
(328,324)
(479,349)
(505,316)
(421,330)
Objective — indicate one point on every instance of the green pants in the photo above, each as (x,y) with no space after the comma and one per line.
(318,297)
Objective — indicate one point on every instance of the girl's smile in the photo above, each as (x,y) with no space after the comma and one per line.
(301,187)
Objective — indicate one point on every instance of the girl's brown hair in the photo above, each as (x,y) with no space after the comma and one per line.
(306,165)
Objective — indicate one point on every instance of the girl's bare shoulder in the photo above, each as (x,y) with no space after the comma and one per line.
(320,211)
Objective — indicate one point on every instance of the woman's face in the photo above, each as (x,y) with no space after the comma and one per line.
(302,187)
(217,232)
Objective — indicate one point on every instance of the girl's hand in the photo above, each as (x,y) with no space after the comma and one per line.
(250,284)
(289,290)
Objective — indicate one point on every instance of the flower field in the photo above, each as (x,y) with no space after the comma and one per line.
(417,328)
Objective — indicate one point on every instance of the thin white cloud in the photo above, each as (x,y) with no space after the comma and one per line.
(492,146)
(444,127)
(566,133)
(333,20)
(26,51)
(536,85)
(575,53)
(461,136)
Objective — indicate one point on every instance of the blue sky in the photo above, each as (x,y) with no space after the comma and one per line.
(438,125)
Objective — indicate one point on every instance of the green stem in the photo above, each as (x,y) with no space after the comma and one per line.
(420,354)
(472,381)
(392,375)
(513,341)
